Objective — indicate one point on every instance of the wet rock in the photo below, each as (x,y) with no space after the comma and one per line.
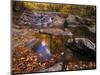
(58,21)
(75,20)
(84,48)
(92,29)
(56,31)
(86,42)
(87,21)
(71,19)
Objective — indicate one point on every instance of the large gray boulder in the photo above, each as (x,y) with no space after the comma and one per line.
(85,41)
(71,19)
(83,48)
(56,31)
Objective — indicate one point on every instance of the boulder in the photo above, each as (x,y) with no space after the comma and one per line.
(82,48)
(92,29)
(58,21)
(56,31)
(84,41)
(71,19)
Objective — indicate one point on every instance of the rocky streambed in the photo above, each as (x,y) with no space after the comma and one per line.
(71,40)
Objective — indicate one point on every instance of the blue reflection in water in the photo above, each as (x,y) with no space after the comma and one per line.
(44,51)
